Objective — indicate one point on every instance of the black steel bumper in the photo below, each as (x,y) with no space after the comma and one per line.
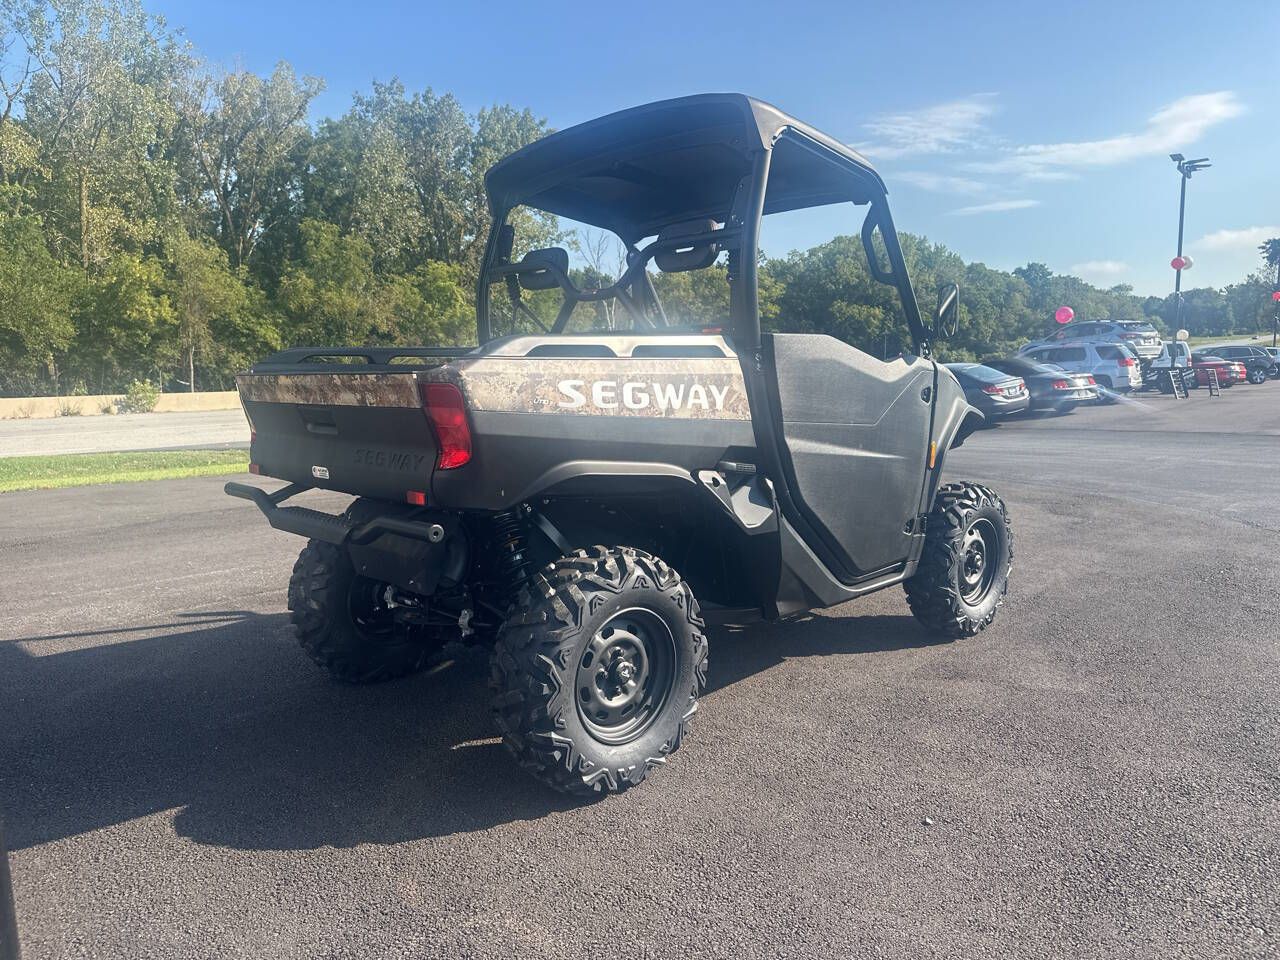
(317,525)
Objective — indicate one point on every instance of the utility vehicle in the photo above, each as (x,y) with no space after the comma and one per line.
(618,460)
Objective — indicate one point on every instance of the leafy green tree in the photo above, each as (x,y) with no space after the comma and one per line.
(207,298)
(37,294)
(100,105)
(124,324)
(241,133)
(330,294)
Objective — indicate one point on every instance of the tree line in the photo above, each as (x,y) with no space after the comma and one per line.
(164,220)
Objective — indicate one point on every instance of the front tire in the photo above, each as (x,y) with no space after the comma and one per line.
(597,671)
(963,574)
(344,623)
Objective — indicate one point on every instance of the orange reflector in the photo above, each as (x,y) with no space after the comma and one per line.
(416,497)
(933,454)
(254,469)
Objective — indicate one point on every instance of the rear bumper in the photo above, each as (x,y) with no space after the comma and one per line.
(316,525)
(995,408)
(1064,398)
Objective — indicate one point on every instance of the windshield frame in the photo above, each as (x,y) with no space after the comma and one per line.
(740,237)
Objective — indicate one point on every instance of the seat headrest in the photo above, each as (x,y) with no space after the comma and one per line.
(693,257)
(541,269)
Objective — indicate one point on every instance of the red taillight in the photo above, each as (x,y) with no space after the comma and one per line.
(255,469)
(1126,361)
(992,388)
(1092,382)
(1061,385)
(448,414)
(415,497)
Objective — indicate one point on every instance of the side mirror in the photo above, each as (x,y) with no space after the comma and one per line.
(948,316)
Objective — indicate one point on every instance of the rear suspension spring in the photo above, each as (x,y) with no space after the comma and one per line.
(510,545)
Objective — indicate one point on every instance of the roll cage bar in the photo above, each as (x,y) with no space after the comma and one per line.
(739,236)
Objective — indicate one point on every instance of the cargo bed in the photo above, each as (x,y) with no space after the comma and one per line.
(345,419)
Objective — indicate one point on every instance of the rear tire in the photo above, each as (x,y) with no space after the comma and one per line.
(344,626)
(963,574)
(1257,376)
(597,671)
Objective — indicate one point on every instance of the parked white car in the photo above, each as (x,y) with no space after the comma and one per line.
(1176,354)
(1114,365)
(1138,335)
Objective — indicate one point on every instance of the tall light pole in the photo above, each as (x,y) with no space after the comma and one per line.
(1185,169)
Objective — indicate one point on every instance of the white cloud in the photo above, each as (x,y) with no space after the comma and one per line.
(1050,175)
(941,128)
(939,182)
(999,206)
(1100,269)
(1246,238)
(1173,127)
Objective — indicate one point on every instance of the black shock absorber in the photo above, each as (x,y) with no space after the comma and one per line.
(510,545)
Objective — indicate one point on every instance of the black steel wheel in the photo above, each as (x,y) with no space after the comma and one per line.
(349,625)
(597,671)
(978,560)
(624,677)
(963,574)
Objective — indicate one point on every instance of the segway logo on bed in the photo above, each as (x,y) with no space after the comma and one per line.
(641,395)
(389,460)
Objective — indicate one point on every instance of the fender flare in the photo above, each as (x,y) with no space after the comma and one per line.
(973,419)
(601,477)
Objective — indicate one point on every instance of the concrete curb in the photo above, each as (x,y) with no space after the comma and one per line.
(24,408)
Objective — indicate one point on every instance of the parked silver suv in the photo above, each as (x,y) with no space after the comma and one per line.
(1139,335)
(1114,365)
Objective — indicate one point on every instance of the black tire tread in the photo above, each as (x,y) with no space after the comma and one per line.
(535,644)
(321,621)
(931,591)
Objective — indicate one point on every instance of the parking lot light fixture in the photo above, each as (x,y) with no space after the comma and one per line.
(1185,169)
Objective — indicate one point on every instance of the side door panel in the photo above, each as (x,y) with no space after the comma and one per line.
(855,436)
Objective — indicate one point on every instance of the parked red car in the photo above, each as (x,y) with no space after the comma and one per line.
(1229,371)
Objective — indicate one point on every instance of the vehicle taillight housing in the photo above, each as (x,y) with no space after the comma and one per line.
(992,388)
(447,411)
(1126,361)
(1092,382)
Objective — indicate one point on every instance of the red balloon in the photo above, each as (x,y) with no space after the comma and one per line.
(1177,263)
(1064,314)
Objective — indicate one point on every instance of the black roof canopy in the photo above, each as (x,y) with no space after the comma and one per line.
(638,170)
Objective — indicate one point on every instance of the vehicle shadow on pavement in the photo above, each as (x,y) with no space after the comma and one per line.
(740,652)
(225,723)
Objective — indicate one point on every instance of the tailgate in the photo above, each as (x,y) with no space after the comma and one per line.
(360,433)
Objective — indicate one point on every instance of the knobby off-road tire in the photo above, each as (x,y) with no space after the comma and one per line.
(337,620)
(963,574)
(560,696)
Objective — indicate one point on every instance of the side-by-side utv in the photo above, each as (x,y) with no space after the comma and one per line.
(618,460)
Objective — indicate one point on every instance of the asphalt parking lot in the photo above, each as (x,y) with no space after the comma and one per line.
(1098,775)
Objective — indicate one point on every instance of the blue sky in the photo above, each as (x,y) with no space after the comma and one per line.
(1010,132)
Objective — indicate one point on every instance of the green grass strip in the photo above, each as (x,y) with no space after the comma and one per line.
(80,469)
